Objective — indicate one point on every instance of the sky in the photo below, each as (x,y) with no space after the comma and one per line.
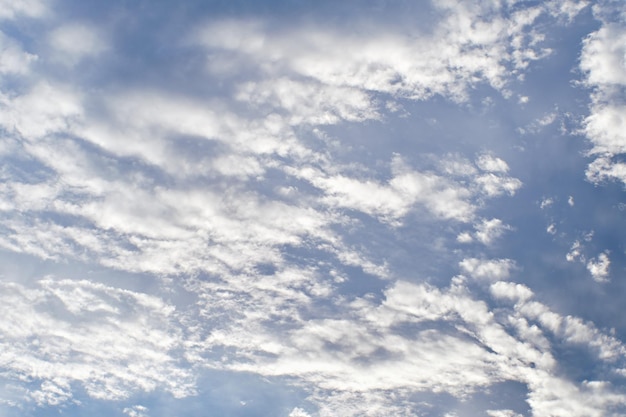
(312,209)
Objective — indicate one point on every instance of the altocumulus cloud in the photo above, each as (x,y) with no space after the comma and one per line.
(214,199)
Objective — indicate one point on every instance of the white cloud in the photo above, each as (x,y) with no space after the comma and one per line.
(599,267)
(601,55)
(44,110)
(136,411)
(110,341)
(13,59)
(487,231)
(342,354)
(563,398)
(547,392)
(574,330)
(503,413)
(73,42)
(357,356)
(575,252)
(493,185)
(467,46)
(52,392)
(309,102)
(10,9)
(603,64)
(566,8)
(167,236)
(439,195)
(547,119)
(517,292)
(551,229)
(457,166)
(605,128)
(298,412)
(605,168)
(570,201)
(546,202)
(464,237)
(132,210)
(540,123)
(180,188)
(490,163)
(492,270)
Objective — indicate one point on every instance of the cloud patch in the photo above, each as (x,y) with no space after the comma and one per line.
(603,65)
(111,342)
(599,267)
(487,269)
(73,42)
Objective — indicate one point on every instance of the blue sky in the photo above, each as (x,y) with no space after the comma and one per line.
(377,208)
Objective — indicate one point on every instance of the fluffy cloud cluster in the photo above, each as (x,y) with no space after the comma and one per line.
(598,266)
(426,339)
(471,43)
(60,333)
(602,60)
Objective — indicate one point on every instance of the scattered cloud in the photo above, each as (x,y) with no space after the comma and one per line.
(271,248)
(491,270)
(490,163)
(487,231)
(54,334)
(493,185)
(540,123)
(546,202)
(136,411)
(567,9)
(464,237)
(575,252)
(599,267)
